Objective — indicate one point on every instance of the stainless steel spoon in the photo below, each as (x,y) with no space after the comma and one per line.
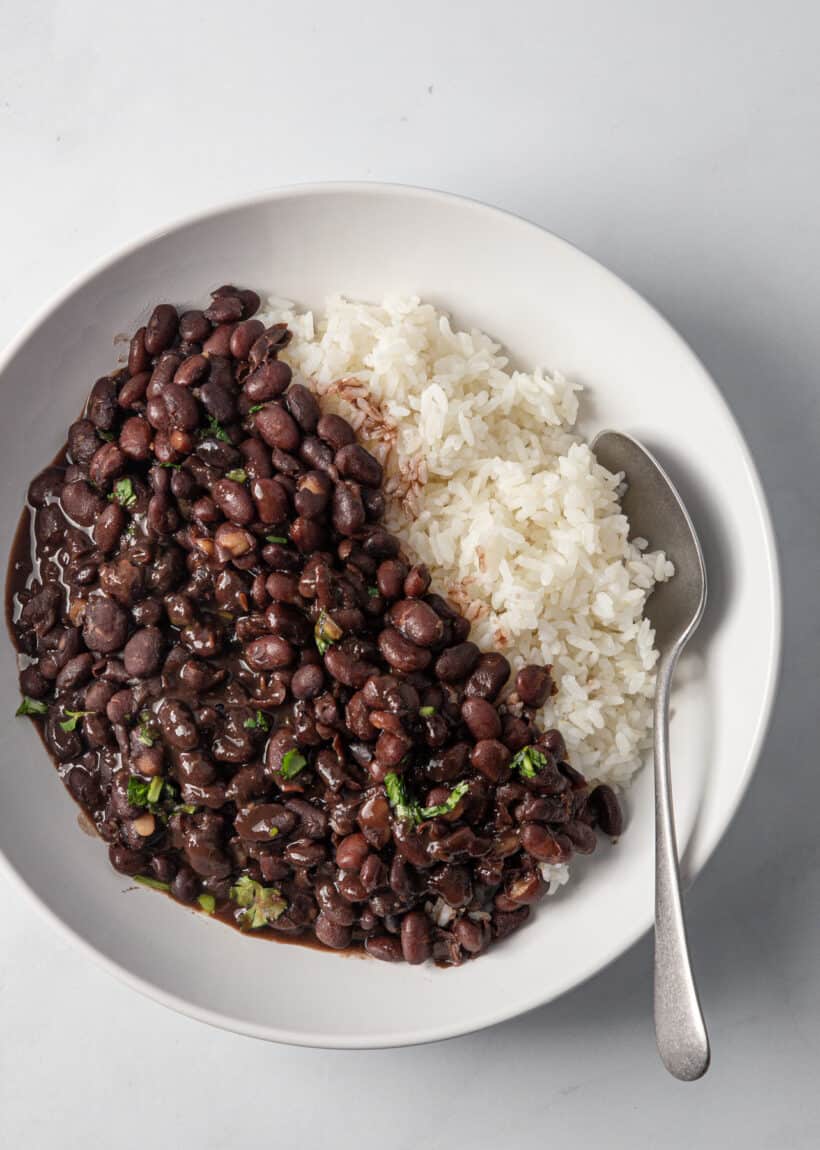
(656,513)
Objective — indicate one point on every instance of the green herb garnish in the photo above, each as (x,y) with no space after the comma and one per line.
(407,808)
(404,807)
(137,791)
(426,712)
(207,902)
(275,539)
(273,832)
(238,475)
(188,808)
(123,493)
(261,904)
(293,762)
(326,632)
(528,762)
(32,707)
(154,789)
(108,436)
(142,793)
(258,723)
(256,407)
(450,803)
(217,430)
(70,724)
(176,466)
(154,883)
(145,736)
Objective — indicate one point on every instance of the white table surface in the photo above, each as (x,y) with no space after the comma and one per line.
(678,143)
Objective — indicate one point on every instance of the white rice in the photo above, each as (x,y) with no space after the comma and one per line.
(491,487)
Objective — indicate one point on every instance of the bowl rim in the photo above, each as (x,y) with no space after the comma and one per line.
(701,849)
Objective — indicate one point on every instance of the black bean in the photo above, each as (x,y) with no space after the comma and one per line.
(416,943)
(317,455)
(142,654)
(82,441)
(482,718)
(102,404)
(161,328)
(277,427)
(268,652)
(177,725)
(138,357)
(456,663)
(313,491)
(244,336)
(105,625)
(192,370)
(489,676)
(109,527)
(417,581)
(347,669)
(331,933)
(417,622)
(348,510)
(390,578)
(194,327)
(81,503)
(490,758)
(353,462)
(218,342)
(267,382)
(108,462)
(303,406)
(400,653)
(606,810)
(533,685)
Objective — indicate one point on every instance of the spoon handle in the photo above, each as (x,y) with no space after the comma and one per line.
(680,1031)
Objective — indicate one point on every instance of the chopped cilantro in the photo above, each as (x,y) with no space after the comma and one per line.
(154,883)
(397,797)
(293,762)
(123,493)
(426,712)
(216,429)
(108,436)
(258,722)
(275,539)
(407,808)
(238,475)
(325,632)
(528,762)
(154,789)
(373,592)
(207,902)
(256,407)
(176,466)
(450,803)
(70,724)
(145,736)
(137,791)
(32,707)
(261,905)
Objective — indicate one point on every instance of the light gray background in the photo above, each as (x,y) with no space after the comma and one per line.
(678,143)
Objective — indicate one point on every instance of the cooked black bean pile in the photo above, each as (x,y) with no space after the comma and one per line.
(249,688)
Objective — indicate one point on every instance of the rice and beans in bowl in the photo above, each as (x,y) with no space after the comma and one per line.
(332,625)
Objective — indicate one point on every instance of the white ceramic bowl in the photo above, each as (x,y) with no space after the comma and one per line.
(548,303)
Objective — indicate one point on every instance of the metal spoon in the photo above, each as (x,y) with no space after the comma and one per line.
(656,512)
